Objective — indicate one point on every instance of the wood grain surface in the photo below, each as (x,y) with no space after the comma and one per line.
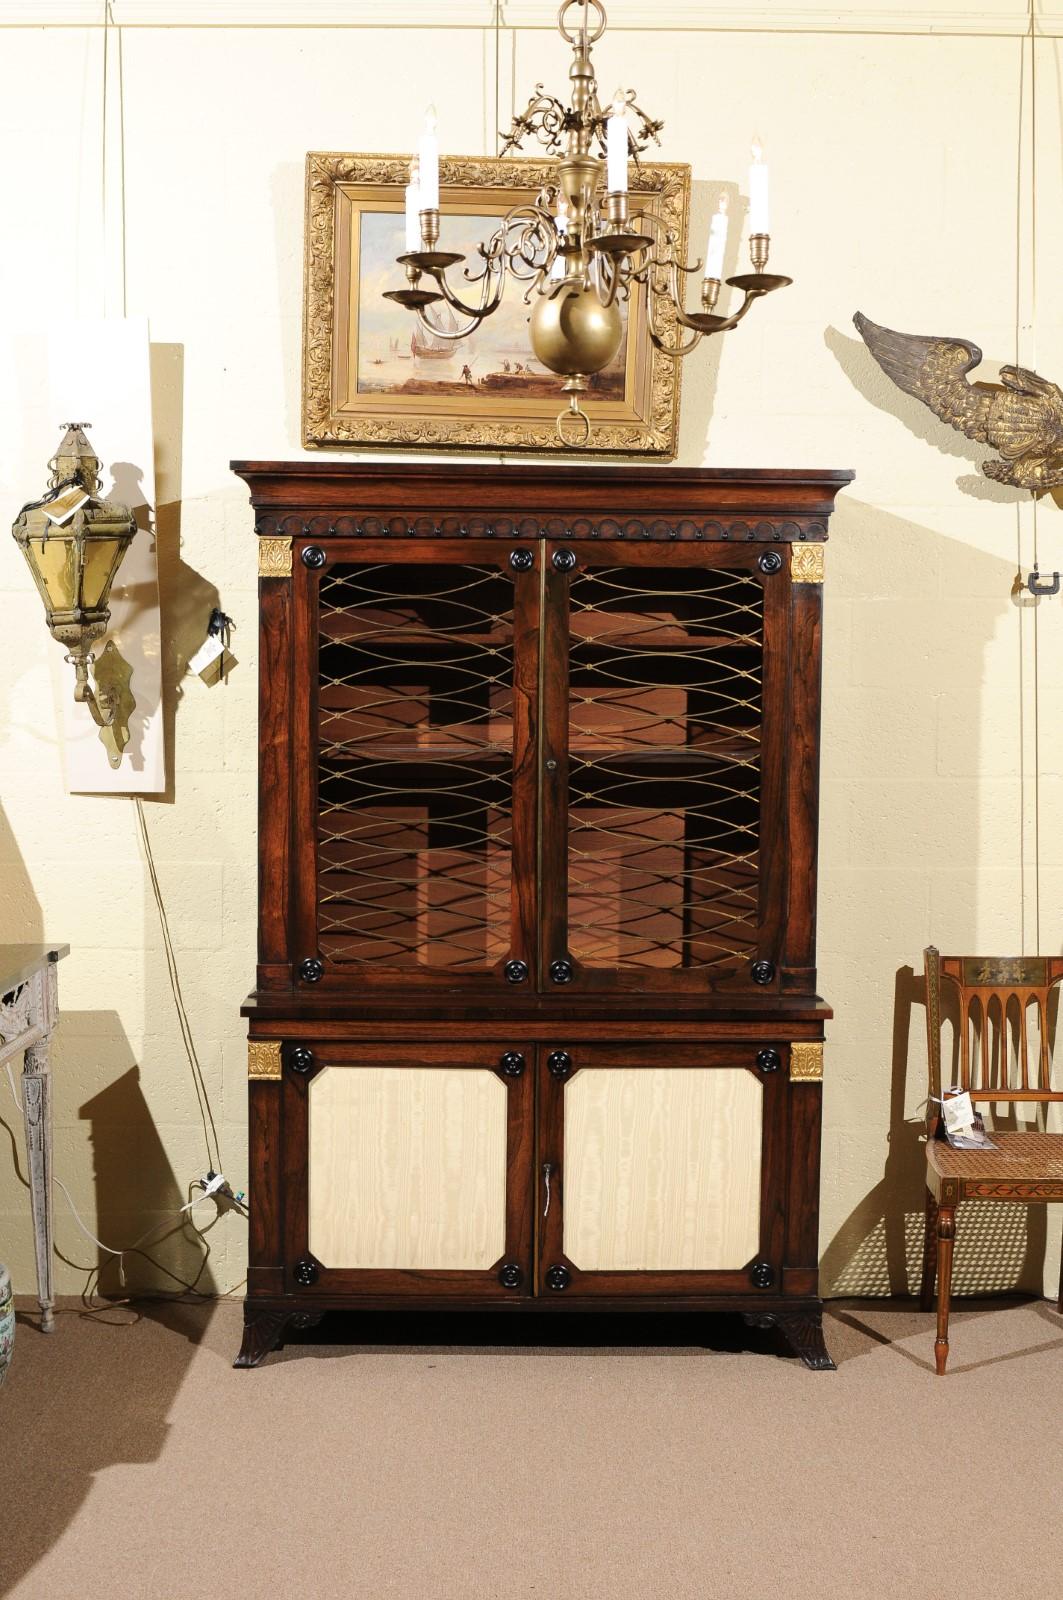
(662,1168)
(407,1167)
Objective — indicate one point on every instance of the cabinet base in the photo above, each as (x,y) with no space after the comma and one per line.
(800,1325)
(803,1332)
(264,1331)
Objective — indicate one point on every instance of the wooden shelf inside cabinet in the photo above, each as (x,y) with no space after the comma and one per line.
(536,1024)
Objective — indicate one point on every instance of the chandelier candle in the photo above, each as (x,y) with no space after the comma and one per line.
(717,242)
(616,146)
(559,268)
(413,208)
(428,163)
(607,258)
(759,226)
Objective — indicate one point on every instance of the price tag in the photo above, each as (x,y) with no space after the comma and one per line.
(959,1112)
(208,652)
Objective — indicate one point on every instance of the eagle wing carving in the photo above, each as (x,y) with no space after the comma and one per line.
(1021,418)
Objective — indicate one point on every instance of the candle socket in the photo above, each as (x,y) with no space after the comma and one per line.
(759,245)
(710,293)
(429,229)
(616,209)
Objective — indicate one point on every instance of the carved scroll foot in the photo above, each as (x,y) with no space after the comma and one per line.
(803,1331)
(262,1333)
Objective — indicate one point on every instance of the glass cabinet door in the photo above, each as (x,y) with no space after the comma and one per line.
(415,820)
(663,700)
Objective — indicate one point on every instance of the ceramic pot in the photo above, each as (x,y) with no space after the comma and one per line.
(7,1322)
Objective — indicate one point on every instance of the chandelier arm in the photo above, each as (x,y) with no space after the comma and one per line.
(449,333)
(611,274)
(642,219)
(676,350)
(488,303)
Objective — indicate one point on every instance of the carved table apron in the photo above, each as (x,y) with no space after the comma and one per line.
(28,1014)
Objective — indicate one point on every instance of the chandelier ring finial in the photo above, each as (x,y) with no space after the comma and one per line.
(577,415)
(586,7)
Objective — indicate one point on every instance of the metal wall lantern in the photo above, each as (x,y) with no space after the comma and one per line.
(74,542)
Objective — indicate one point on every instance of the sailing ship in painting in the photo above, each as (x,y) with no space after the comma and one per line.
(426,346)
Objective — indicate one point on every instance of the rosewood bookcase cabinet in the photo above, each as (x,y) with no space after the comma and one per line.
(536,1023)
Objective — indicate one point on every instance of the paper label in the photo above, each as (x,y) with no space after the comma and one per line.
(208,652)
(62,508)
(959,1112)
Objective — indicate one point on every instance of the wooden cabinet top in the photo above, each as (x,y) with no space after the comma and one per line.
(594,491)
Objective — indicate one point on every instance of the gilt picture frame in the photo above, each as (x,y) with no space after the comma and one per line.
(372,377)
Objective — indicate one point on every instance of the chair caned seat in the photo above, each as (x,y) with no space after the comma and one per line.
(1020,1157)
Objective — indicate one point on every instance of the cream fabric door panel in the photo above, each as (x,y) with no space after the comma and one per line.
(662,1168)
(407,1167)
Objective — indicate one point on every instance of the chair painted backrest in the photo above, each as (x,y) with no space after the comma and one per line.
(1003,1025)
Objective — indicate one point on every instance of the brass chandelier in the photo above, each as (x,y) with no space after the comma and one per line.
(578,248)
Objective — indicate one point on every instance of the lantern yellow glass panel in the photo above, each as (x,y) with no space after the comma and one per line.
(73,542)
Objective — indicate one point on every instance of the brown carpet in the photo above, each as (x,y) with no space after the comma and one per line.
(138,1463)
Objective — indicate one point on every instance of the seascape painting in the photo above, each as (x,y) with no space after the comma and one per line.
(396,356)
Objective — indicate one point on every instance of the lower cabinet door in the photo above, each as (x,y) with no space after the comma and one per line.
(408,1169)
(661,1169)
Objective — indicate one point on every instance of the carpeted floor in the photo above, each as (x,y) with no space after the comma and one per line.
(137,1463)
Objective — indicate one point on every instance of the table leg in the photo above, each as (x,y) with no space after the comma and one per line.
(37,1115)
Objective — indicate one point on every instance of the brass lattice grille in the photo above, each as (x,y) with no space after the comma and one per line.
(415,764)
(664,785)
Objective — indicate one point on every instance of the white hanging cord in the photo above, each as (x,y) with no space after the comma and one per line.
(11,1081)
(210,1132)
(209,1190)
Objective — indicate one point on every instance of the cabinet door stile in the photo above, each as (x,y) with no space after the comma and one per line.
(524,914)
(774,775)
(553,767)
(304,942)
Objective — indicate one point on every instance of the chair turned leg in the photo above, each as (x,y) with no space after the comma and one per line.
(946,1231)
(930,1254)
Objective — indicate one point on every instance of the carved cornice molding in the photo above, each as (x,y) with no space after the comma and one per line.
(280,528)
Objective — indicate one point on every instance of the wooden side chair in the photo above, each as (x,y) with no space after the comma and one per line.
(1002,1056)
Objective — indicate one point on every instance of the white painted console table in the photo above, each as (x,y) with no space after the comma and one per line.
(29,1009)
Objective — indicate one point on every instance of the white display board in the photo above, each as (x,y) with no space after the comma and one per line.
(99,373)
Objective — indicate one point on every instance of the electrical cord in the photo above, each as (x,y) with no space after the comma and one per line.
(210,1132)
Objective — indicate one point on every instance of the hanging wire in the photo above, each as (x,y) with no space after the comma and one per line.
(1026,261)
(1032,35)
(498,73)
(210,1132)
(108,23)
